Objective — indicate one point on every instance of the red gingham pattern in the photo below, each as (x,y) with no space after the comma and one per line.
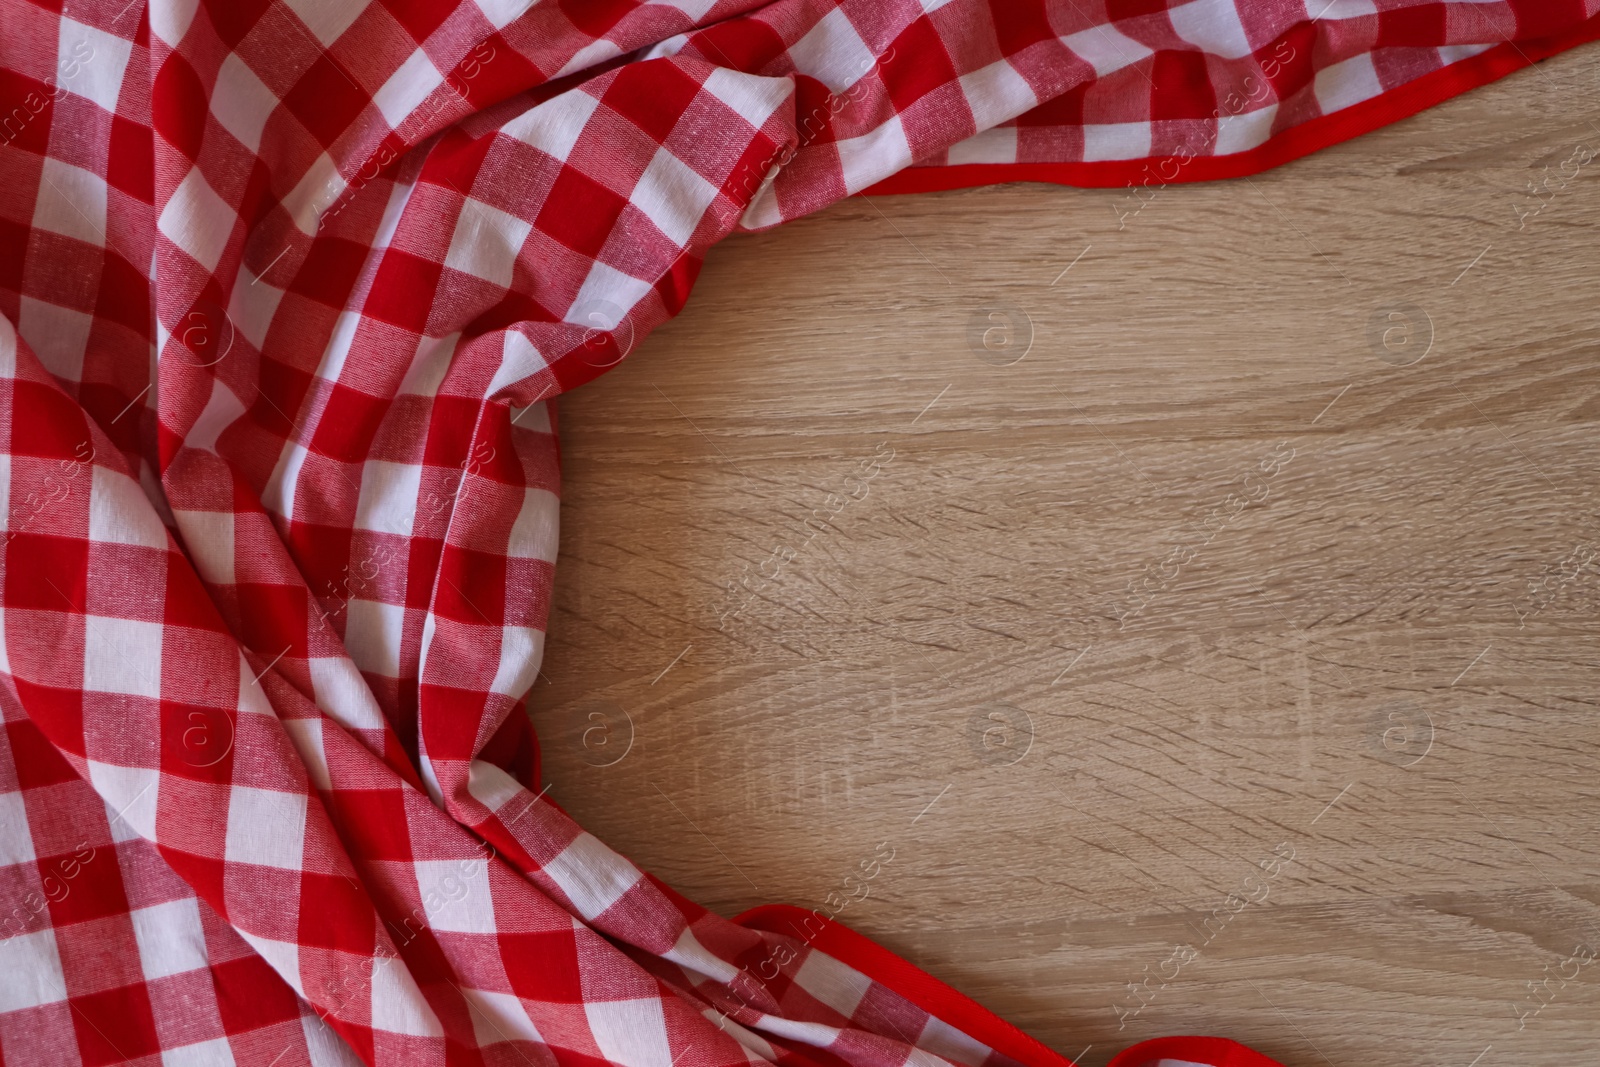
(287,288)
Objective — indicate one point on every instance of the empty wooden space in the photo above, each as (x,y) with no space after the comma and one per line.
(1238,641)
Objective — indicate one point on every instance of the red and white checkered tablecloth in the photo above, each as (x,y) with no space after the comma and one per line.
(286,289)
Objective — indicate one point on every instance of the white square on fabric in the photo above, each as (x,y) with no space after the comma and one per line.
(120,513)
(752,98)
(1213,26)
(407,87)
(501,13)
(388,502)
(72,202)
(197,220)
(604,286)
(455,895)
(58,336)
(279,492)
(208,536)
(537,531)
(632,1033)
(494,789)
(499,1017)
(319,188)
(946,1042)
(8,348)
(590,55)
(372,632)
(242,102)
(486,242)
(223,408)
(873,156)
(554,126)
(519,357)
(833,52)
(130,794)
(521,651)
(1105,49)
(838,986)
(398,1006)
(995,145)
(1324,10)
(14,847)
(428,366)
(1343,84)
(170,20)
(1240,133)
(1116,140)
(326,19)
(170,938)
(339,690)
(253,305)
(284,957)
(122,656)
(695,9)
(306,736)
(265,827)
(32,966)
(673,196)
(996,93)
(214,1053)
(591,875)
(90,63)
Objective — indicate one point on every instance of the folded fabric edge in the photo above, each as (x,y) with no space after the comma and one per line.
(962,1012)
(1201,1051)
(1398,103)
(904,978)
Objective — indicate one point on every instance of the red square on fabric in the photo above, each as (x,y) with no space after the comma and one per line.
(124,295)
(348,423)
(46,573)
(403,290)
(90,888)
(1127,9)
(330,272)
(580,212)
(47,423)
(326,100)
(114,1026)
(25,123)
(485,574)
(543,966)
(250,995)
(381,814)
(273,618)
(130,163)
(336,915)
(1182,86)
(178,108)
(419,17)
(596,17)
(1408,26)
(916,65)
(37,761)
(652,96)
(233,20)
(12,235)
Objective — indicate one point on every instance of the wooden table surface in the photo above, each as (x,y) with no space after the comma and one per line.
(1196,592)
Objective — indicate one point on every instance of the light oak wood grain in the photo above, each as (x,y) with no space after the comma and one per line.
(1385,662)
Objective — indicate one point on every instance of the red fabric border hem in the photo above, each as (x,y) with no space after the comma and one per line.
(1398,103)
(966,1014)
(1216,1051)
(906,979)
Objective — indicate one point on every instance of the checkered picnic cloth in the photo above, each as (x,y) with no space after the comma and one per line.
(287,288)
